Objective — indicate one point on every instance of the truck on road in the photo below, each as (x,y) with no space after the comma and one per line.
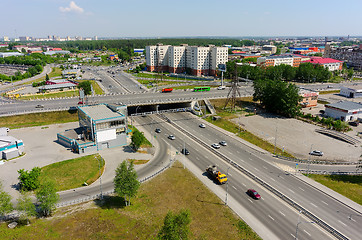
(216,174)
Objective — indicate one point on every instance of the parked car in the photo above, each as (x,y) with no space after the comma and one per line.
(172,137)
(185,151)
(316,153)
(223,143)
(355,124)
(221,88)
(158,130)
(80,103)
(322,111)
(254,194)
(202,125)
(215,145)
(39,106)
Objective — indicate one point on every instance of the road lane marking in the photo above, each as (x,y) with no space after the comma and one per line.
(342,223)
(282,213)
(301,189)
(271,217)
(272,179)
(237,151)
(230,152)
(230,174)
(242,160)
(291,190)
(281,177)
(235,188)
(244,185)
(306,232)
(293,236)
(313,204)
(324,202)
(250,200)
(353,220)
(265,167)
(256,169)
(197,158)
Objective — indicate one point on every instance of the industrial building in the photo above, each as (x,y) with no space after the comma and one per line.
(10,147)
(351,92)
(310,98)
(100,126)
(178,59)
(344,110)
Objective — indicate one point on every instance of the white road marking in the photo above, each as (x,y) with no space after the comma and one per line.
(271,217)
(306,232)
(237,151)
(281,177)
(353,220)
(291,190)
(265,167)
(293,236)
(244,185)
(235,188)
(342,223)
(301,189)
(230,174)
(313,204)
(256,169)
(230,152)
(250,200)
(250,159)
(324,202)
(282,213)
(272,179)
(242,160)
(197,158)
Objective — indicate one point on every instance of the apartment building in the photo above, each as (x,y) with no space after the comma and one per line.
(278,60)
(352,56)
(177,59)
(329,63)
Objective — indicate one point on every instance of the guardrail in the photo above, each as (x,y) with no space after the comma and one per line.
(277,193)
(320,172)
(314,161)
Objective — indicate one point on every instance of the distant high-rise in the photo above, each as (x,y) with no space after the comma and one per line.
(95,38)
(6,39)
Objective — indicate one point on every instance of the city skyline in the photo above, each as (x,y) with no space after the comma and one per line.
(145,19)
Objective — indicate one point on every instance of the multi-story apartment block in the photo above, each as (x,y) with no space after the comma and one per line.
(278,60)
(352,56)
(177,59)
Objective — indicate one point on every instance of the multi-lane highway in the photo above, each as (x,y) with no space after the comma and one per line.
(324,207)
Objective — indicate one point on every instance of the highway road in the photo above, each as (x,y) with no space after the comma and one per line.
(326,208)
(278,218)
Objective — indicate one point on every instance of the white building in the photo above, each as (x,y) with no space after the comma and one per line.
(351,92)
(344,110)
(176,59)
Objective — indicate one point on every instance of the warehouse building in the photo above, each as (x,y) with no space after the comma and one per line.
(344,110)
(100,126)
(351,92)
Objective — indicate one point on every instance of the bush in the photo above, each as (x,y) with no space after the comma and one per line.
(29,180)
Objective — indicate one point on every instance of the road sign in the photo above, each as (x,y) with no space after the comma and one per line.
(296,165)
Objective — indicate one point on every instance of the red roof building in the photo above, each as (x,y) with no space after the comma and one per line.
(330,63)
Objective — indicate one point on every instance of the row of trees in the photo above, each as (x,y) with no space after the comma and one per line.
(306,72)
(32,71)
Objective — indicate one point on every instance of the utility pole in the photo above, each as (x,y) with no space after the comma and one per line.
(311,146)
(275,140)
(100,176)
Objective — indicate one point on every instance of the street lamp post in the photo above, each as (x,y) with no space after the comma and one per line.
(275,141)
(299,222)
(311,146)
(227,186)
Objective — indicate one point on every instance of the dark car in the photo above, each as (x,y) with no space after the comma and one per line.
(355,124)
(185,151)
(158,130)
(254,194)
(39,106)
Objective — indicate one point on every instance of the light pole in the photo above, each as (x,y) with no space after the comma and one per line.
(275,141)
(299,222)
(311,146)
(227,186)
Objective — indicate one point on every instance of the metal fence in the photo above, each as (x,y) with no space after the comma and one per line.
(316,162)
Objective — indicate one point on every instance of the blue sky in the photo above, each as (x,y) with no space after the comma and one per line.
(169,18)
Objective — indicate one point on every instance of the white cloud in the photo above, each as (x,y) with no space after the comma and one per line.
(72,8)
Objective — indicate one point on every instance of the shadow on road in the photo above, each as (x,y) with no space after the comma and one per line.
(110,202)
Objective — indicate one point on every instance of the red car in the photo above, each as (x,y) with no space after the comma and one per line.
(80,103)
(254,194)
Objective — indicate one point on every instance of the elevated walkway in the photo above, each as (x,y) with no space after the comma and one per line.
(210,107)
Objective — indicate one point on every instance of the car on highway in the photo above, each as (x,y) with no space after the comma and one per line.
(39,106)
(221,88)
(316,153)
(223,143)
(80,103)
(202,125)
(254,194)
(185,151)
(215,145)
(172,137)
(158,130)
(355,124)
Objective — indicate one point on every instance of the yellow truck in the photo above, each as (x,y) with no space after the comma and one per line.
(219,177)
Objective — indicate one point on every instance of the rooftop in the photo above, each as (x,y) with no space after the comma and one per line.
(100,112)
(320,60)
(346,105)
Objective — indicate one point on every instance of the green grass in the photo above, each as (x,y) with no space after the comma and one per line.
(329,91)
(146,143)
(38,119)
(56,72)
(322,102)
(73,173)
(173,190)
(348,186)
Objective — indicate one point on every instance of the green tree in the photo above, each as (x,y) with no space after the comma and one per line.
(25,207)
(5,202)
(277,96)
(29,180)
(46,77)
(137,139)
(125,181)
(86,86)
(47,197)
(175,226)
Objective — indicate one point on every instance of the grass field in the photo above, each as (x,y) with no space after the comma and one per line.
(75,172)
(173,190)
(348,186)
(329,91)
(56,72)
(38,119)
(226,124)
